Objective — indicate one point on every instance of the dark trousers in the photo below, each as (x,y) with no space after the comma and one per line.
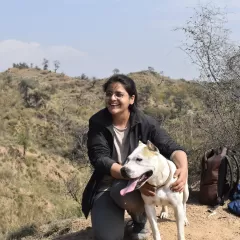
(107,214)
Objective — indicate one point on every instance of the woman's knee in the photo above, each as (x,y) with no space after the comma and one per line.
(107,219)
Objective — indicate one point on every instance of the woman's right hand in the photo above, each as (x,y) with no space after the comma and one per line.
(116,171)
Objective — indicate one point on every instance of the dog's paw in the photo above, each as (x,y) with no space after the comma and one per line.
(186,222)
(164,215)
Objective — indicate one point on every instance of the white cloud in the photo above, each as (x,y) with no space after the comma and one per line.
(14,51)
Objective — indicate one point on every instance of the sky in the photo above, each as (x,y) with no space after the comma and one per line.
(96,36)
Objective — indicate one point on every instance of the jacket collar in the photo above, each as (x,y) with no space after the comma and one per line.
(134,117)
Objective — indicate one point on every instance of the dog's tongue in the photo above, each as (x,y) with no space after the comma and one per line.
(130,187)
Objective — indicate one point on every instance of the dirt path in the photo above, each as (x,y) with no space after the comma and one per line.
(220,226)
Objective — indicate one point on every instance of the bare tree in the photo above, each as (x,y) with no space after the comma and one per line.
(73,188)
(45,64)
(209,46)
(84,76)
(22,134)
(92,83)
(151,69)
(56,64)
(79,151)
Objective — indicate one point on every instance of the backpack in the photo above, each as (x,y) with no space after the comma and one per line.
(236,194)
(234,205)
(219,176)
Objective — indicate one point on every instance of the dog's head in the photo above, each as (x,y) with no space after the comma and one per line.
(140,166)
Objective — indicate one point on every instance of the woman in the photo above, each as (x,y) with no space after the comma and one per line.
(114,132)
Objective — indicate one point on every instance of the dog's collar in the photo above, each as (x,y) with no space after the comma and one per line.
(159,186)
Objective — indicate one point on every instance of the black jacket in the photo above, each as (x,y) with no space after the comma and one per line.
(102,153)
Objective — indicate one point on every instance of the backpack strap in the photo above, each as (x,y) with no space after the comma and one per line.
(231,182)
(222,192)
(222,175)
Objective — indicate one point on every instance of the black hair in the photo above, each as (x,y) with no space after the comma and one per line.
(127,83)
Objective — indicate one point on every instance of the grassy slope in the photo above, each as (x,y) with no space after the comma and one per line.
(32,188)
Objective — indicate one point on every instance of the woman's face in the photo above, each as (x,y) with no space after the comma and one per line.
(118,99)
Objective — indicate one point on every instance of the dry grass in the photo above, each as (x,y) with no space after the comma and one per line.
(33,190)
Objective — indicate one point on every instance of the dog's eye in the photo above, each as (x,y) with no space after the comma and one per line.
(139,159)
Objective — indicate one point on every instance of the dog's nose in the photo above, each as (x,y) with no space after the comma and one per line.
(124,172)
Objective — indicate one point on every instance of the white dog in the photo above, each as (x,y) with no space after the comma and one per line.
(146,164)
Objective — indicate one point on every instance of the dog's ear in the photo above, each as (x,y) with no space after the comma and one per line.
(140,143)
(152,147)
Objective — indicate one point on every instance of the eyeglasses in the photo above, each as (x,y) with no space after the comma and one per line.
(116,94)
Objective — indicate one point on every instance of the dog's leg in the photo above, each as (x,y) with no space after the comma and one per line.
(185,198)
(179,215)
(152,218)
(164,212)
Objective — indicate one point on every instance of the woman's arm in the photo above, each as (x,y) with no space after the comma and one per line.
(171,150)
(180,159)
(99,152)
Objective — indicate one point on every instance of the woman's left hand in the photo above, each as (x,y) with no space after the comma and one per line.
(181,174)
(148,190)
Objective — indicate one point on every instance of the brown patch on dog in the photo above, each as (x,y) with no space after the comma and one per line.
(148,153)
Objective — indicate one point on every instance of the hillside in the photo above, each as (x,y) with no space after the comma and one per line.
(42,100)
(44,118)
